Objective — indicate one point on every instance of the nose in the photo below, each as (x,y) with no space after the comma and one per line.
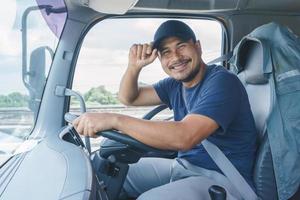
(176,55)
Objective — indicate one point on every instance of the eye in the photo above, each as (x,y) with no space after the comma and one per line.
(165,53)
(181,46)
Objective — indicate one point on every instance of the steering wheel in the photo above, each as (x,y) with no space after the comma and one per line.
(127,140)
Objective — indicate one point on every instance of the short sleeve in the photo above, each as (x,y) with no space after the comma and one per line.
(163,89)
(220,99)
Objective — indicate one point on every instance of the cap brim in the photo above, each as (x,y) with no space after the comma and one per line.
(180,36)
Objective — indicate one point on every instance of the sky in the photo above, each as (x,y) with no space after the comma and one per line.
(11,43)
(104,54)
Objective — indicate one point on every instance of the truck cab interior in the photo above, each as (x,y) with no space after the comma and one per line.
(74,64)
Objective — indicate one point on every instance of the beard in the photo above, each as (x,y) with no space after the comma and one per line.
(191,75)
(187,76)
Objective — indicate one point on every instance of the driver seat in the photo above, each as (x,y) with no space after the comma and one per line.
(250,65)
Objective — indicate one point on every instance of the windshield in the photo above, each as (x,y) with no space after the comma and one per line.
(29,34)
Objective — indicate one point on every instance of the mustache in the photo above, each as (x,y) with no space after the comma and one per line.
(180,62)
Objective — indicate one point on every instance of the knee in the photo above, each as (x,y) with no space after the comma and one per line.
(146,196)
(160,193)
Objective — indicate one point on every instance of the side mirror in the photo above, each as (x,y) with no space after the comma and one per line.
(35,77)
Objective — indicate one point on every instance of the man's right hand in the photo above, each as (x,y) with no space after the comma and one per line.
(130,93)
(141,55)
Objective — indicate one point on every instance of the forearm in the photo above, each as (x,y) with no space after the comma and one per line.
(179,135)
(128,90)
(159,134)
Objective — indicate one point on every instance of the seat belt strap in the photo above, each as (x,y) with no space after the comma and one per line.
(229,170)
(222,58)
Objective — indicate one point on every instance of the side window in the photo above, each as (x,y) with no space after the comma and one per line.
(28,39)
(104,55)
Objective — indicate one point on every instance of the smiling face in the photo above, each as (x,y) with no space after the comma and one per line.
(181,60)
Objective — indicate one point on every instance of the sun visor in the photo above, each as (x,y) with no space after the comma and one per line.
(110,6)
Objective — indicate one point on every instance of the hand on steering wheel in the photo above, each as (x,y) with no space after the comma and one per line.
(125,139)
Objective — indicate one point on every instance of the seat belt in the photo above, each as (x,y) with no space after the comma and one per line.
(229,170)
(225,165)
(222,58)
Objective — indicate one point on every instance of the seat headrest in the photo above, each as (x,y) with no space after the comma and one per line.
(250,60)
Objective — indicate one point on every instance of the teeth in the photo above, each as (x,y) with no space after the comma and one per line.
(179,65)
(182,63)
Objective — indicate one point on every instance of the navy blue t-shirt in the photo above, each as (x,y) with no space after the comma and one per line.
(222,97)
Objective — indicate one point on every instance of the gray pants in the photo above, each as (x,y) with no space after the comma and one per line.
(171,179)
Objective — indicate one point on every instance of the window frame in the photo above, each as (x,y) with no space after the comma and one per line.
(224,35)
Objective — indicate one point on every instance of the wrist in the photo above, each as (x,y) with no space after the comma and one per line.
(135,68)
(133,72)
(115,120)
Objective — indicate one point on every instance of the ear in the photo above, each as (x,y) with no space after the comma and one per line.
(198,46)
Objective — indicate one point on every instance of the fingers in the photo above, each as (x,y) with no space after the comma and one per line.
(141,55)
(133,50)
(86,129)
(89,124)
(153,55)
(78,125)
(149,48)
(89,130)
(83,126)
(141,51)
(144,51)
(147,51)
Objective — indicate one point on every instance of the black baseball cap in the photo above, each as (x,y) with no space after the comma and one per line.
(172,28)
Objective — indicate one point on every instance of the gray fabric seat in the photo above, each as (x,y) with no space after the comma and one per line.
(250,65)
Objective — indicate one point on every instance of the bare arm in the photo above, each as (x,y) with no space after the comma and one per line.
(181,135)
(129,92)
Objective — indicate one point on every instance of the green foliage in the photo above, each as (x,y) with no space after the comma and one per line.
(97,96)
(100,95)
(14,99)
(94,97)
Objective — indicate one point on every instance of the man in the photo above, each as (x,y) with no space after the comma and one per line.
(208,102)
